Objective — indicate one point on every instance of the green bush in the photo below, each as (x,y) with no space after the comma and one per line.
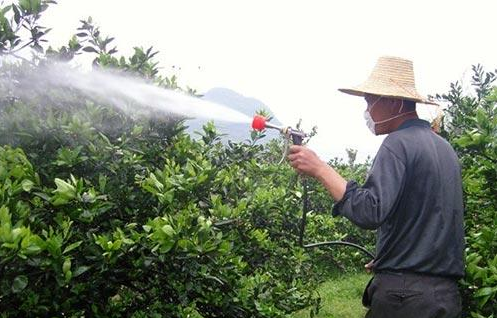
(471,126)
(147,220)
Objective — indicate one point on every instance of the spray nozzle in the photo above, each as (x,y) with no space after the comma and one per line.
(260,123)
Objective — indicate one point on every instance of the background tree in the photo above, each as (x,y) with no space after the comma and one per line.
(470,125)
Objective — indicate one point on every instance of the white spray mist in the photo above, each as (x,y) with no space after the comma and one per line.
(132,95)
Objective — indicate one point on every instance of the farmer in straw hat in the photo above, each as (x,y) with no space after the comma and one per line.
(412,198)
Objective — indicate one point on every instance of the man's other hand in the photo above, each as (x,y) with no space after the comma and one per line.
(369,266)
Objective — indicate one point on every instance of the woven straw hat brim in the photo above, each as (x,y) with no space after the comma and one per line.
(361,92)
(391,77)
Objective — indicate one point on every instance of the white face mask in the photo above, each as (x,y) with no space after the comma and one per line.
(369,120)
(372,124)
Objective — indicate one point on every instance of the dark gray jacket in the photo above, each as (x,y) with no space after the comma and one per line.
(413,197)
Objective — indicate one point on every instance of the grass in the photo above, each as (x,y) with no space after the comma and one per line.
(341,297)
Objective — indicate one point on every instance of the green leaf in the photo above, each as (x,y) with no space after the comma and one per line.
(36,6)
(80,270)
(17,14)
(168,229)
(90,49)
(27,185)
(20,282)
(6,9)
(464,141)
(486,291)
(5,217)
(32,249)
(67,265)
(71,247)
(42,195)
(102,182)
(25,5)
(64,187)
(64,192)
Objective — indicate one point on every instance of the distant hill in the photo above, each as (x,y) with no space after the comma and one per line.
(246,105)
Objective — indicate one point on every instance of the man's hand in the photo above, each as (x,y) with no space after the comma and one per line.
(305,161)
(369,266)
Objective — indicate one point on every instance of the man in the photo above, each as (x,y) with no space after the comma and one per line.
(412,197)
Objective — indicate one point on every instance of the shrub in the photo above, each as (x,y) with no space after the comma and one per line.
(471,126)
(147,220)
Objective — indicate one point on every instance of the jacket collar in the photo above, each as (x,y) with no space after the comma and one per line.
(414,122)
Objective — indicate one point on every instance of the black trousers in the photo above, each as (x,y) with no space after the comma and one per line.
(406,295)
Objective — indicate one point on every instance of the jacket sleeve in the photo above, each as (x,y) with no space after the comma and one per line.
(370,205)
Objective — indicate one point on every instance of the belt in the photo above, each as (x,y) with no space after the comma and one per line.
(414,274)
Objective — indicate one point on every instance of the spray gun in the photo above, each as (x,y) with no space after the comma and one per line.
(260,123)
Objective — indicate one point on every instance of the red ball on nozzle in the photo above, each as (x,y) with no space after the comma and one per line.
(259,122)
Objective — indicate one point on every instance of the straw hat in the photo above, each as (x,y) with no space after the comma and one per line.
(391,77)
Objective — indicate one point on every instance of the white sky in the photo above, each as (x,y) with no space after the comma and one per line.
(294,55)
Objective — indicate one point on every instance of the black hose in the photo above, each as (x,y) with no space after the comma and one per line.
(305,208)
(359,247)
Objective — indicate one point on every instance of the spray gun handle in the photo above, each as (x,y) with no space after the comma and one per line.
(297,136)
(297,139)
